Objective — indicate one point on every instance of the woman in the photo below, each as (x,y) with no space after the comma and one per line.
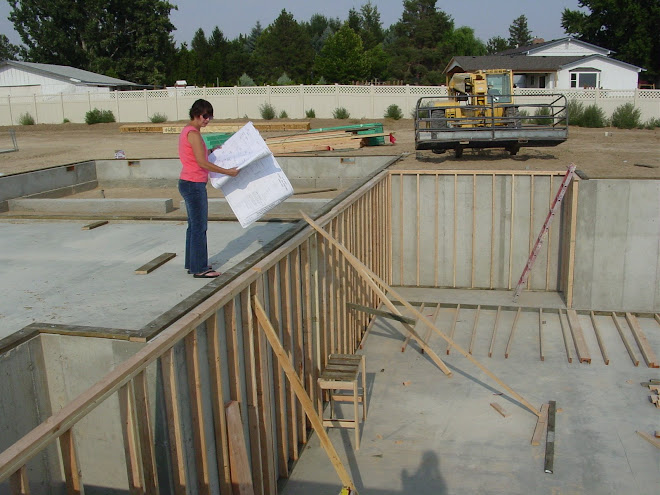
(192,186)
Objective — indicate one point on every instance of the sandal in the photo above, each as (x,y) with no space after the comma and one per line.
(210,273)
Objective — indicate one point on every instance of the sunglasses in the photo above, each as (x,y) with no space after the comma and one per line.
(207,116)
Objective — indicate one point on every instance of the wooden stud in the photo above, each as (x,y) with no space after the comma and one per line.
(170,395)
(18,482)
(642,342)
(155,263)
(474,227)
(492,230)
(492,339)
(288,339)
(93,225)
(217,403)
(541,424)
(233,346)
(499,409)
(197,412)
(453,327)
(601,344)
(72,475)
(531,226)
(429,331)
(304,399)
(298,346)
(571,241)
(541,323)
(649,438)
(657,318)
(631,353)
(549,239)
(455,226)
(578,336)
(511,228)
(401,229)
(145,433)
(407,339)
(418,229)
(241,476)
(474,330)
(127,415)
(436,236)
(564,333)
(513,331)
(376,283)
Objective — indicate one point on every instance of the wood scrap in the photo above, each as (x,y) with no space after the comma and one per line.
(155,263)
(94,225)
(642,342)
(499,409)
(541,424)
(649,438)
(578,336)
(550,438)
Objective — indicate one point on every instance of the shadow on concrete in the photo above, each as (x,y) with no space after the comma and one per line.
(256,233)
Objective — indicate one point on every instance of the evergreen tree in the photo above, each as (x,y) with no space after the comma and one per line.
(496,44)
(251,41)
(7,50)
(371,28)
(130,40)
(629,27)
(463,42)
(342,59)
(519,33)
(320,28)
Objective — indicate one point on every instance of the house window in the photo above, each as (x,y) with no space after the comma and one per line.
(585,79)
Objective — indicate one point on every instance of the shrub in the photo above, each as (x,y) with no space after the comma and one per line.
(284,80)
(310,114)
(97,116)
(267,111)
(626,116)
(66,121)
(158,118)
(321,81)
(26,119)
(246,80)
(652,123)
(340,113)
(393,112)
(575,111)
(593,116)
(542,113)
(284,115)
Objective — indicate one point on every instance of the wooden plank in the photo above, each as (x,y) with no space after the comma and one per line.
(474,330)
(550,439)
(304,399)
(376,283)
(573,197)
(599,338)
(241,476)
(657,318)
(630,350)
(453,327)
(233,350)
(127,415)
(513,332)
(499,409)
(217,403)
(94,225)
(144,433)
(649,439)
(642,342)
(578,336)
(18,482)
(492,339)
(564,333)
(197,412)
(417,325)
(541,323)
(384,314)
(541,424)
(429,331)
(298,346)
(155,263)
(72,473)
(173,416)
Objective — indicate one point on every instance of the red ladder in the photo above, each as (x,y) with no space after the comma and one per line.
(544,230)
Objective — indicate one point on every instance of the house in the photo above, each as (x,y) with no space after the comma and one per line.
(27,79)
(558,64)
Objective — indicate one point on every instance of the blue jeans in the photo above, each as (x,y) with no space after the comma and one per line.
(197,205)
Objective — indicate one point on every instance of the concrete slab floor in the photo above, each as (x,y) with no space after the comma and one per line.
(428,434)
(54,272)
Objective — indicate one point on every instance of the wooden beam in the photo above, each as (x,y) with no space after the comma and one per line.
(170,395)
(384,314)
(299,389)
(474,330)
(72,473)
(550,439)
(429,331)
(155,263)
(599,338)
(630,350)
(376,282)
(453,327)
(642,342)
(18,482)
(492,339)
(541,323)
(241,475)
(499,409)
(541,424)
(417,325)
(578,336)
(144,433)
(564,333)
(94,225)
(513,331)
(649,439)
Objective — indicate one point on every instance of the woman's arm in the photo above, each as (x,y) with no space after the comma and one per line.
(195,140)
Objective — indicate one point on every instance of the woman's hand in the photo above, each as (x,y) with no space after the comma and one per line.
(232,172)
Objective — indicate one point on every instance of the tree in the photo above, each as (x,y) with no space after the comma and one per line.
(414,44)
(629,27)
(251,41)
(131,40)
(284,46)
(320,28)
(496,44)
(519,33)
(371,28)
(463,42)
(7,50)
(342,59)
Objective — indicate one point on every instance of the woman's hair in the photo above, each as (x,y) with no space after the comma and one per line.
(200,107)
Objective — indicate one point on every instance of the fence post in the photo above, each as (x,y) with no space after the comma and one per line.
(302,100)
(176,102)
(36,112)
(11,115)
(146,104)
(373,103)
(117,106)
(238,112)
(89,101)
(62,105)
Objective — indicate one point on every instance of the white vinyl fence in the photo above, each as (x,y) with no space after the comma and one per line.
(367,102)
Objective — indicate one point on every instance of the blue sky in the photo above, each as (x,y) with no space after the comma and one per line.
(487,17)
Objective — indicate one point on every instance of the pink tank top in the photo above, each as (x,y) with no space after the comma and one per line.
(190,171)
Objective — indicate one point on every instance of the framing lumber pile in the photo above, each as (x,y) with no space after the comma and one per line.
(233,127)
(320,141)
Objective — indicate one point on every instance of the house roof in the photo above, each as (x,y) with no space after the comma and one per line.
(525,64)
(530,49)
(71,74)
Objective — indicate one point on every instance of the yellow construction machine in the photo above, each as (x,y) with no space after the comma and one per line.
(479,112)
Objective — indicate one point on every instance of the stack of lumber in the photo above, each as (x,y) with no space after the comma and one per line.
(320,141)
(654,387)
(235,126)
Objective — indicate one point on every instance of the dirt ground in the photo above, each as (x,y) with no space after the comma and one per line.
(598,153)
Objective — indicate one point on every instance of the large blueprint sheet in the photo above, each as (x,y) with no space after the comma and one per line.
(261,183)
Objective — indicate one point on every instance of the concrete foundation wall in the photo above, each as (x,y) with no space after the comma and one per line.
(617,251)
